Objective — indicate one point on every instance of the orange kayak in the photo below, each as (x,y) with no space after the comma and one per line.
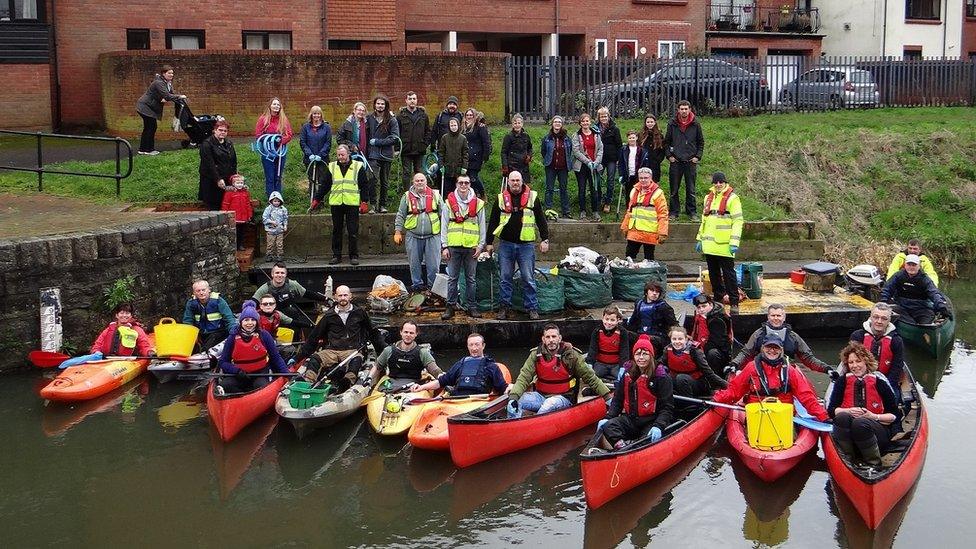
(93,379)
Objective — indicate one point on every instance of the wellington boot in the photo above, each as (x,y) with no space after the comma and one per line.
(448,313)
(845,446)
(869,453)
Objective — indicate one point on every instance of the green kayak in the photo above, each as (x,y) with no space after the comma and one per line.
(935,338)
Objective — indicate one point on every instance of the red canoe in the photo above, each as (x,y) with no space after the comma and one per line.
(610,474)
(768,465)
(488,432)
(875,492)
(231,413)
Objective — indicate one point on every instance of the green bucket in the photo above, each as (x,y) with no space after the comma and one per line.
(301,395)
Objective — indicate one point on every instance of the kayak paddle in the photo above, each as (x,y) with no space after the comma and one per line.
(807,422)
(46,359)
(447,398)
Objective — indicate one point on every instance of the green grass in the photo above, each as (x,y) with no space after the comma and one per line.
(865,176)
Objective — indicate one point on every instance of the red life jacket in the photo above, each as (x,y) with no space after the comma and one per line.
(270,323)
(723,205)
(682,363)
(507,205)
(646,402)
(881,351)
(608,347)
(863,393)
(646,201)
(552,377)
(457,213)
(414,204)
(699,330)
(773,381)
(250,356)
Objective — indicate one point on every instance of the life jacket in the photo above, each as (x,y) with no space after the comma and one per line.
(430,207)
(405,364)
(281,294)
(462,227)
(643,214)
(778,386)
(723,204)
(551,376)
(250,356)
(682,363)
(648,313)
(345,188)
(123,341)
(863,392)
(640,400)
(789,341)
(207,317)
(608,347)
(881,349)
(699,330)
(506,207)
(473,378)
(270,323)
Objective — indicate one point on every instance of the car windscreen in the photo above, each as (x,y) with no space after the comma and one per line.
(861,77)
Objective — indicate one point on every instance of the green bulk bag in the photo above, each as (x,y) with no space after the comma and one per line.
(488,286)
(628,284)
(587,291)
(550,292)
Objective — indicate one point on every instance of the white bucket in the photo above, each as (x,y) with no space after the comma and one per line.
(440,285)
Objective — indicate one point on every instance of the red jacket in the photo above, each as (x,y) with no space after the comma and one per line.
(105,340)
(746,384)
(266,124)
(238,202)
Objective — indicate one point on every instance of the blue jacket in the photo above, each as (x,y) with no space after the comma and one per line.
(549,144)
(215,305)
(317,142)
(275,362)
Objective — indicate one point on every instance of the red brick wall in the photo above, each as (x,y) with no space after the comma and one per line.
(357,20)
(26,103)
(968,34)
(86,29)
(238,84)
(807,46)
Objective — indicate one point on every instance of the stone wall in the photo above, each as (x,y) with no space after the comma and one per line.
(165,254)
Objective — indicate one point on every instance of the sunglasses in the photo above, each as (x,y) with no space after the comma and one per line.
(267,303)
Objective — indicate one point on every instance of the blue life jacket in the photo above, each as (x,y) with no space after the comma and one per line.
(648,312)
(474,378)
(207,317)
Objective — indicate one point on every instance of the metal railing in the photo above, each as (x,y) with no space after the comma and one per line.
(40,170)
(732,17)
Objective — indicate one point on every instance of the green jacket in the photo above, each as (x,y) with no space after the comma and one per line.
(573,359)
(453,150)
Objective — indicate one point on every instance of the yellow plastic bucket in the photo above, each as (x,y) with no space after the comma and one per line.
(175,339)
(285,335)
(769,424)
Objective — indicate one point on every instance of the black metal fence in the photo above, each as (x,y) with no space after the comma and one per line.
(540,87)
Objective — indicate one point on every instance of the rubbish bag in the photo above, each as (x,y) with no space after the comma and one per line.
(587,291)
(549,291)
(487,283)
(387,295)
(628,284)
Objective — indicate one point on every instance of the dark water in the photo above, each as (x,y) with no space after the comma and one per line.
(141,467)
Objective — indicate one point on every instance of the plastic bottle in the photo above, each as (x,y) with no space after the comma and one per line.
(328,287)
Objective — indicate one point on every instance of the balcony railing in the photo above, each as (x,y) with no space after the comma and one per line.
(751,18)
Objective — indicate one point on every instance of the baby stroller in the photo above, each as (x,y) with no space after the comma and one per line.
(197,128)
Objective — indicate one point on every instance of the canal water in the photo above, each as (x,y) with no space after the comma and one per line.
(142,467)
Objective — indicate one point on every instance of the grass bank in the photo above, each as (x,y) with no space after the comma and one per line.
(868,178)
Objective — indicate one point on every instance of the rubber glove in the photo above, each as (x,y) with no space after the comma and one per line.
(698,247)
(733,249)
(363,207)
(833,374)
(513,407)
(372,142)
(291,362)
(80,360)
(464,171)
(600,424)
(655,434)
(398,238)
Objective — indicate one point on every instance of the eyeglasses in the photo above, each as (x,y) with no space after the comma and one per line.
(641,352)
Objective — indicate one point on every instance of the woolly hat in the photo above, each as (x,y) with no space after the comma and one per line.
(248,310)
(643,342)
(452,99)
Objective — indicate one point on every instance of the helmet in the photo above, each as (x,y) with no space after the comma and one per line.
(552,215)
(866,275)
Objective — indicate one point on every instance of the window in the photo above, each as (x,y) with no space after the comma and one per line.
(970,8)
(137,39)
(923,9)
(260,40)
(912,52)
(666,49)
(344,45)
(626,48)
(600,47)
(21,10)
(183,39)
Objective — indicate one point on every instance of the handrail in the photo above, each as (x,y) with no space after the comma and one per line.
(40,170)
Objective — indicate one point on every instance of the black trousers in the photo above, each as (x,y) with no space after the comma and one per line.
(345,217)
(634,247)
(624,427)
(606,372)
(918,311)
(234,385)
(721,272)
(861,431)
(717,360)
(410,164)
(685,385)
(686,170)
(147,143)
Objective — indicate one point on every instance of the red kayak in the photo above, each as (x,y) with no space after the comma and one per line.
(488,432)
(874,492)
(608,474)
(231,413)
(768,465)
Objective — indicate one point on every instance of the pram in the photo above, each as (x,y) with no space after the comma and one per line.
(197,128)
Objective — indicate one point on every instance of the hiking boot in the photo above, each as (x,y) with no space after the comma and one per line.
(596,217)
(335,260)
(502,314)
(533,315)
(474,313)
(870,454)
(448,313)
(846,447)
(354,261)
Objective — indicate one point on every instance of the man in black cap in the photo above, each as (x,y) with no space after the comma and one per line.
(443,120)
(719,235)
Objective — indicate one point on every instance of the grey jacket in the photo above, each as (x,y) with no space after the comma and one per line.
(151,102)
(383,148)
(424,228)
(579,154)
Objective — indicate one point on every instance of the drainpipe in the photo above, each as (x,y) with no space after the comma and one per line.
(325,25)
(884,29)
(56,122)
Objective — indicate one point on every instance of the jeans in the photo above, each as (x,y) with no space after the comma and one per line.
(426,250)
(476,184)
(524,254)
(687,170)
(551,176)
(721,273)
(586,180)
(273,169)
(536,402)
(410,164)
(147,143)
(462,258)
(348,216)
(380,170)
(610,176)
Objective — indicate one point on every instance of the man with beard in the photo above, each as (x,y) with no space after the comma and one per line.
(345,184)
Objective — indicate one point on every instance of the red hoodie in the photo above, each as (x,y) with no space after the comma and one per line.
(684,124)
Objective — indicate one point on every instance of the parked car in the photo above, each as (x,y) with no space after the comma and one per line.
(709,83)
(831,88)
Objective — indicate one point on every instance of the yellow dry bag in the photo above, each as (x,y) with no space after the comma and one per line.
(769,424)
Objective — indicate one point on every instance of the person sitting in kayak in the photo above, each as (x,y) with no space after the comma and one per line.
(270,317)
(880,338)
(643,403)
(712,331)
(793,345)
(771,374)
(210,313)
(864,408)
(475,374)
(405,360)
(249,350)
(123,337)
(652,315)
(554,368)
(914,247)
(688,368)
(286,291)
(609,346)
(913,294)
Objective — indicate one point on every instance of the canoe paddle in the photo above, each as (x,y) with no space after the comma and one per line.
(46,359)
(206,375)
(423,400)
(807,422)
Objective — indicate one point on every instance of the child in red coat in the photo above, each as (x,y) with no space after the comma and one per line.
(238,200)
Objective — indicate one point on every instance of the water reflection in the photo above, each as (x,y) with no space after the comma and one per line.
(851,530)
(233,458)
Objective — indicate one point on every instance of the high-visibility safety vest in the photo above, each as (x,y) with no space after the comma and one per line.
(552,377)
(721,224)
(210,312)
(881,349)
(506,207)
(345,188)
(863,392)
(462,226)
(430,206)
(250,356)
(639,399)
(123,341)
(643,214)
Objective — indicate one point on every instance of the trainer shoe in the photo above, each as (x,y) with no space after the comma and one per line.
(384,210)
(354,261)
(595,451)
(335,261)
(596,217)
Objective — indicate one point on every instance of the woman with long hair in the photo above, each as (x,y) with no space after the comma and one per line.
(588,163)
(316,142)
(557,157)
(651,140)
(612,143)
(273,121)
(475,131)
(384,132)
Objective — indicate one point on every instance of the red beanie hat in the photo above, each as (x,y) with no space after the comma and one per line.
(643,342)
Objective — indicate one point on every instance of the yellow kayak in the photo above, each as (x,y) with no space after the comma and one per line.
(387,414)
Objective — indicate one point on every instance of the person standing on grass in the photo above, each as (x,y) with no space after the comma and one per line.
(718,237)
(630,160)
(419,214)
(588,163)
(316,142)
(442,122)
(463,228)
(354,132)
(150,107)
(517,150)
(414,129)
(651,141)
(646,220)
(274,121)
(453,150)
(479,147)
(610,134)
(345,183)
(384,132)
(557,157)
(684,144)
(218,161)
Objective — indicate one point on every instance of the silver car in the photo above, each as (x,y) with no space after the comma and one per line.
(832,88)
